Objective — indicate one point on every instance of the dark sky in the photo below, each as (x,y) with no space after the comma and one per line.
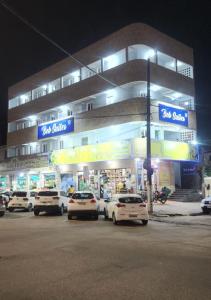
(76,24)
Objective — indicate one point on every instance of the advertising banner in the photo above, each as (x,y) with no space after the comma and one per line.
(173,115)
(92,153)
(55,128)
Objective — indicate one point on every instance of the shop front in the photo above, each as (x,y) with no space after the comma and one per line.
(118,166)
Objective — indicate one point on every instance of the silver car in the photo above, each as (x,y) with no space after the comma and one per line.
(2,206)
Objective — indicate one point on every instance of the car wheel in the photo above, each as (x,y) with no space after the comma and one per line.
(29,209)
(205,210)
(105,215)
(10,209)
(114,219)
(145,222)
(2,213)
(69,217)
(61,210)
(36,212)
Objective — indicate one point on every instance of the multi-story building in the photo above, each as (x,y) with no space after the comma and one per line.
(84,124)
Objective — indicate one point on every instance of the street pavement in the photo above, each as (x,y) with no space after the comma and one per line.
(49,257)
(183,213)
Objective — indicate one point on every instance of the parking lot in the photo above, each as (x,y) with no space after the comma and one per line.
(49,257)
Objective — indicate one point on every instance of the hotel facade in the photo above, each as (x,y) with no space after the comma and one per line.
(84,124)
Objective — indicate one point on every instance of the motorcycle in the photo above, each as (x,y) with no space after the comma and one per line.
(160,196)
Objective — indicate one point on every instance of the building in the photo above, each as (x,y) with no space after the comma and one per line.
(85,124)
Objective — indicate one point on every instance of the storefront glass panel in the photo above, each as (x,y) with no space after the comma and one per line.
(21,183)
(67,183)
(115,181)
(3,183)
(34,180)
(49,181)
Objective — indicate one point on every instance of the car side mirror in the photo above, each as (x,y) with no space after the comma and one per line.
(106,201)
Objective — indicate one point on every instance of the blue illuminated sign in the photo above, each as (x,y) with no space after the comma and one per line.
(173,115)
(55,128)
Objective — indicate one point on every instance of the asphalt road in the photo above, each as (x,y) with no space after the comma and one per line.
(49,257)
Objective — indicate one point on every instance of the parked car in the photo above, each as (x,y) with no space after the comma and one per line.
(2,206)
(6,197)
(124,207)
(21,199)
(206,205)
(83,203)
(51,201)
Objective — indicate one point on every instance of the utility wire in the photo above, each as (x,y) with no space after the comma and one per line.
(55,44)
(51,41)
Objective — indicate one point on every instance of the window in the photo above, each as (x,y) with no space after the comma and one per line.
(86,72)
(19,194)
(184,69)
(83,196)
(166,61)
(141,52)
(48,194)
(54,86)
(13,102)
(84,141)
(114,60)
(89,106)
(25,98)
(61,144)
(39,92)
(71,78)
(130,200)
(45,147)
(157,135)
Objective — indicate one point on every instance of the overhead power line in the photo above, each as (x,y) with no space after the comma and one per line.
(51,41)
(59,47)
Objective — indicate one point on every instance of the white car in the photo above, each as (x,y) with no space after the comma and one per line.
(83,204)
(125,207)
(206,205)
(21,199)
(50,201)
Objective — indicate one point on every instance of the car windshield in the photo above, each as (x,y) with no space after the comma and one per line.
(48,193)
(130,200)
(19,194)
(33,194)
(83,196)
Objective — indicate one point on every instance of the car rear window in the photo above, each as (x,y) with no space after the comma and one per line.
(130,200)
(48,193)
(83,196)
(19,194)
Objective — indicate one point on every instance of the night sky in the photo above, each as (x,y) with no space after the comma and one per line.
(76,24)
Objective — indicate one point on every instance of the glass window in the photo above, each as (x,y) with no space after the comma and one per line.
(141,52)
(19,194)
(71,78)
(130,200)
(54,85)
(86,73)
(114,60)
(166,61)
(39,92)
(82,196)
(25,98)
(48,193)
(185,69)
(13,102)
